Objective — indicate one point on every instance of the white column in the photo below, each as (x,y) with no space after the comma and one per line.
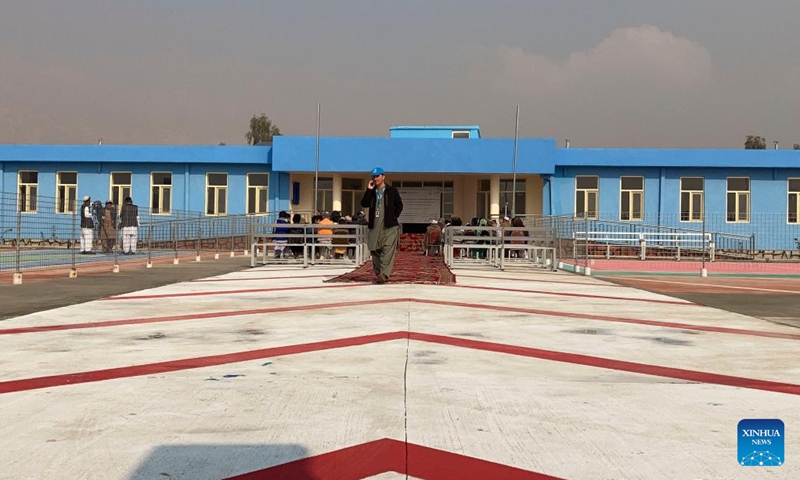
(337,192)
(494,196)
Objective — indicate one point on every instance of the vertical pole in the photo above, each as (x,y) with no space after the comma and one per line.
(514,176)
(19,239)
(703,271)
(18,273)
(150,243)
(316,163)
(199,236)
(73,270)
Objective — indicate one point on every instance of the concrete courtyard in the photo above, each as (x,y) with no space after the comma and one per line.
(272,373)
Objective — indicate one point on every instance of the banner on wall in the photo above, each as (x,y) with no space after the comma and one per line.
(420,205)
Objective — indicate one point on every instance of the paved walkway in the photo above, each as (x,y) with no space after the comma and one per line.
(271,373)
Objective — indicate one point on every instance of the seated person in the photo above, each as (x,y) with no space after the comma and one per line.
(433,236)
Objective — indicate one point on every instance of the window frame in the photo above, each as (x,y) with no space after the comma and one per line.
(27,196)
(160,209)
(631,194)
(789,194)
(460,134)
(586,191)
(66,210)
(327,194)
(691,193)
(217,188)
(738,194)
(113,186)
(258,190)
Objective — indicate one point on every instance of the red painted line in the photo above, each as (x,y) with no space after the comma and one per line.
(351,463)
(604,318)
(434,464)
(237,357)
(204,280)
(231,292)
(600,362)
(387,455)
(581,295)
(540,280)
(193,316)
(532,311)
(191,363)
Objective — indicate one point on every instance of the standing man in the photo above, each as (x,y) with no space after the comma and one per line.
(87,226)
(129,223)
(385,205)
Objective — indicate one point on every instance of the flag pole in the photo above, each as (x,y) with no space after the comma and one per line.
(316,163)
(514,176)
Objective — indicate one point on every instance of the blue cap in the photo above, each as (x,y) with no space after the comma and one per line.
(377,171)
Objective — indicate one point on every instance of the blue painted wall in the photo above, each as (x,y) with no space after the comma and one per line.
(409,155)
(188,166)
(768,198)
(433,132)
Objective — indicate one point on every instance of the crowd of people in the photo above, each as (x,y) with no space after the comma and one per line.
(434,235)
(330,241)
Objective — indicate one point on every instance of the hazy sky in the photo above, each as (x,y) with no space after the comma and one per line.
(613,73)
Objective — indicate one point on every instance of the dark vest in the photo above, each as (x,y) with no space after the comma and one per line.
(86,222)
(128,215)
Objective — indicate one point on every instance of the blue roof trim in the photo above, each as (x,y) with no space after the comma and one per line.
(412,155)
(136,153)
(678,158)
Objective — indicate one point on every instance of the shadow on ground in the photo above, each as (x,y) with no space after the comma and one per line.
(219,461)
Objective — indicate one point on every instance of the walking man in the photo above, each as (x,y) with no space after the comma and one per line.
(385,206)
(129,223)
(87,226)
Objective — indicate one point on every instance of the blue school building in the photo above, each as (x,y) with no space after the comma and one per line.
(442,170)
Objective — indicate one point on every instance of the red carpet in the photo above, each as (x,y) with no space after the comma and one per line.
(409,267)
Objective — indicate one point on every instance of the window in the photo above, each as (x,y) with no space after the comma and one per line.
(507,194)
(586,196)
(216,193)
(28,191)
(631,198)
(738,200)
(483,208)
(257,193)
(460,134)
(324,193)
(448,200)
(120,187)
(161,193)
(692,199)
(794,200)
(66,192)
(352,190)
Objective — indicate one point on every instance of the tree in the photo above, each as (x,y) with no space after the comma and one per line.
(261,130)
(755,142)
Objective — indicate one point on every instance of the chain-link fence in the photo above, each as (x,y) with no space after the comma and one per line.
(40,233)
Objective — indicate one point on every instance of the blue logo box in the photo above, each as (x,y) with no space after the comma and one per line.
(761,443)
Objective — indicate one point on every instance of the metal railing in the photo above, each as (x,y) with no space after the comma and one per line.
(637,245)
(309,244)
(45,233)
(500,246)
